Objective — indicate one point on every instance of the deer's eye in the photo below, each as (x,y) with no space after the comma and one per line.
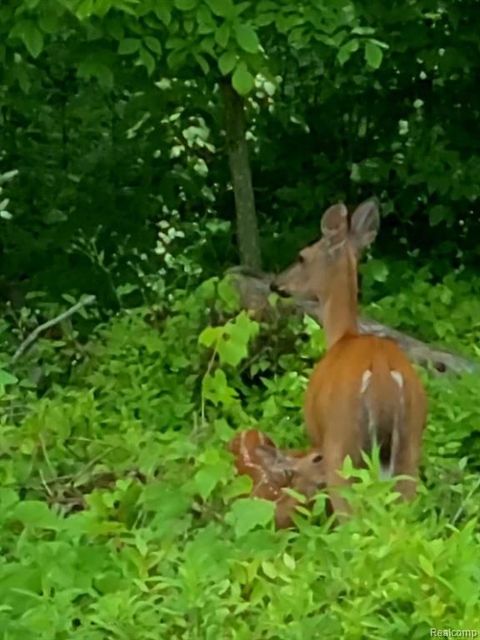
(301,259)
(318,458)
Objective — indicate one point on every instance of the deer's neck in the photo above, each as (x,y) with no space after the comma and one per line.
(340,309)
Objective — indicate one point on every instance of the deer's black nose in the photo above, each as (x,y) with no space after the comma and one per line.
(275,288)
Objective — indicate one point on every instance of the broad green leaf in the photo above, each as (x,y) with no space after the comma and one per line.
(240,486)
(426,565)
(439,213)
(216,389)
(289,561)
(153,44)
(221,8)
(49,21)
(33,513)
(248,513)
(222,35)
(185,5)
(346,50)
(227,62)
(206,21)
(148,61)
(210,335)
(377,269)
(8,499)
(7,378)
(269,569)
(242,80)
(373,55)
(246,38)
(228,294)
(128,46)
(85,9)
(32,38)
(203,64)
(163,12)
(232,352)
(115,27)
(208,478)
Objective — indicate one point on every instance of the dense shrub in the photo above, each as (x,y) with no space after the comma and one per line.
(121,517)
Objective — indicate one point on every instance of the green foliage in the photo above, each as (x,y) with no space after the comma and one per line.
(120,512)
(120,515)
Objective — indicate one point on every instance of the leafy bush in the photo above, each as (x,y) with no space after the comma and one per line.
(120,515)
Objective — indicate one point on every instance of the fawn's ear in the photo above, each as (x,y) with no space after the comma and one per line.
(273,459)
(365,224)
(334,226)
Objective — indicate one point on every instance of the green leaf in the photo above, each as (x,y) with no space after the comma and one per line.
(221,8)
(34,513)
(246,38)
(269,569)
(216,389)
(147,60)
(206,22)
(153,44)
(239,486)
(346,50)
(232,352)
(426,565)
(248,513)
(7,378)
(222,35)
(289,561)
(84,9)
(242,80)
(48,21)
(128,46)
(377,270)
(202,62)
(208,478)
(90,68)
(227,62)
(373,55)
(210,335)
(32,38)
(228,294)
(439,213)
(163,12)
(185,5)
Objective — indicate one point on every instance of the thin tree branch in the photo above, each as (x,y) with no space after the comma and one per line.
(87,300)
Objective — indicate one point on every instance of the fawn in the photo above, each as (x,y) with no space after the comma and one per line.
(273,469)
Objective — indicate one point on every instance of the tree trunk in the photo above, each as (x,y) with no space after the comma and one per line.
(235,128)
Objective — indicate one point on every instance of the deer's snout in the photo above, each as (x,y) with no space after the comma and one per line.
(277,288)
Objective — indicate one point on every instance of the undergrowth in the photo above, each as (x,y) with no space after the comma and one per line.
(121,517)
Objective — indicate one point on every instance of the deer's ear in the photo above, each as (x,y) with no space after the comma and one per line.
(334,226)
(365,224)
(274,459)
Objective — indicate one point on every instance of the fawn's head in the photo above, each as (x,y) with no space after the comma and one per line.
(304,474)
(341,244)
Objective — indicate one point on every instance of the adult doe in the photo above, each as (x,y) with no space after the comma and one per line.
(364,390)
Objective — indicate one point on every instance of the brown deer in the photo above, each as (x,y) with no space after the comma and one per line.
(364,390)
(273,469)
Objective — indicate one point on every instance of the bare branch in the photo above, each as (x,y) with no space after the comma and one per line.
(27,343)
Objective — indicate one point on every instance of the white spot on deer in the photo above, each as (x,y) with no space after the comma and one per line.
(397,376)
(365,381)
